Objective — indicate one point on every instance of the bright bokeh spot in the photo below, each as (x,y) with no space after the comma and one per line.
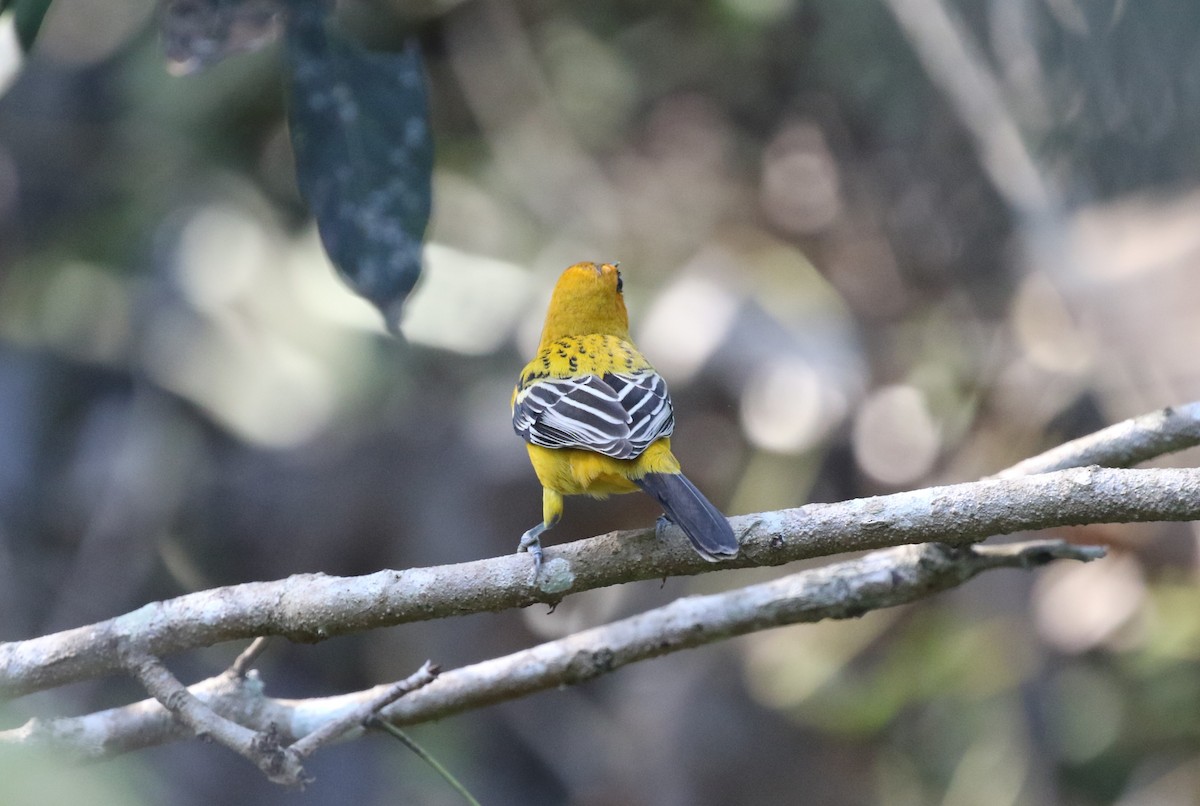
(221,252)
(685,325)
(321,293)
(270,342)
(1080,606)
(800,190)
(1045,330)
(786,407)
(466,303)
(896,440)
(11,58)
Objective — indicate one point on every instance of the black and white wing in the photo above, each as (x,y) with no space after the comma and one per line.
(644,398)
(617,415)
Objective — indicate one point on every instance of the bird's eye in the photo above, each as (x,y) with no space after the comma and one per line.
(620,283)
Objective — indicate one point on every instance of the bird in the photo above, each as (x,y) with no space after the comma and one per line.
(597,418)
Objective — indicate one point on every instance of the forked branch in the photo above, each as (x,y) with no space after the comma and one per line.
(233,708)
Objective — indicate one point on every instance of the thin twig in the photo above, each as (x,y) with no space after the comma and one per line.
(845,589)
(312,607)
(241,664)
(336,728)
(1124,444)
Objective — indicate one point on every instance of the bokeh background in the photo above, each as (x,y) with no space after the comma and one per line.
(848,290)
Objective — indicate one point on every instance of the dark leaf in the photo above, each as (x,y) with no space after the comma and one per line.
(364,155)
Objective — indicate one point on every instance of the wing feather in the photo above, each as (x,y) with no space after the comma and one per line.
(645,399)
(617,415)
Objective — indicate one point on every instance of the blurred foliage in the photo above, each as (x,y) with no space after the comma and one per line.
(199,33)
(815,260)
(27,18)
(34,778)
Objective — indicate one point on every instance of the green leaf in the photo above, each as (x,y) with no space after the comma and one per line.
(359,124)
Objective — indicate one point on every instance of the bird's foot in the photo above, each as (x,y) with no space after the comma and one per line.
(531,542)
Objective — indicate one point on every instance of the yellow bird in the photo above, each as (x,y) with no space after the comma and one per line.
(597,417)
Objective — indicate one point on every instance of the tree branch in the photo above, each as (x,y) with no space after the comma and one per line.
(232,705)
(845,589)
(1125,444)
(264,749)
(373,705)
(192,712)
(312,607)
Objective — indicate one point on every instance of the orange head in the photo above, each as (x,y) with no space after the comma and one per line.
(587,299)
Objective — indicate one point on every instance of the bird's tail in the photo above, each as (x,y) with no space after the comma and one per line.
(705,526)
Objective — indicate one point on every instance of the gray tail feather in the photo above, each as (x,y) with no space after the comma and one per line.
(711,535)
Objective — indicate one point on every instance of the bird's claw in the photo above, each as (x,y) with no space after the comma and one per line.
(531,542)
(536,551)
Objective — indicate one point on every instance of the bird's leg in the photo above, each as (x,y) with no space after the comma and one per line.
(552,507)
(531,542)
